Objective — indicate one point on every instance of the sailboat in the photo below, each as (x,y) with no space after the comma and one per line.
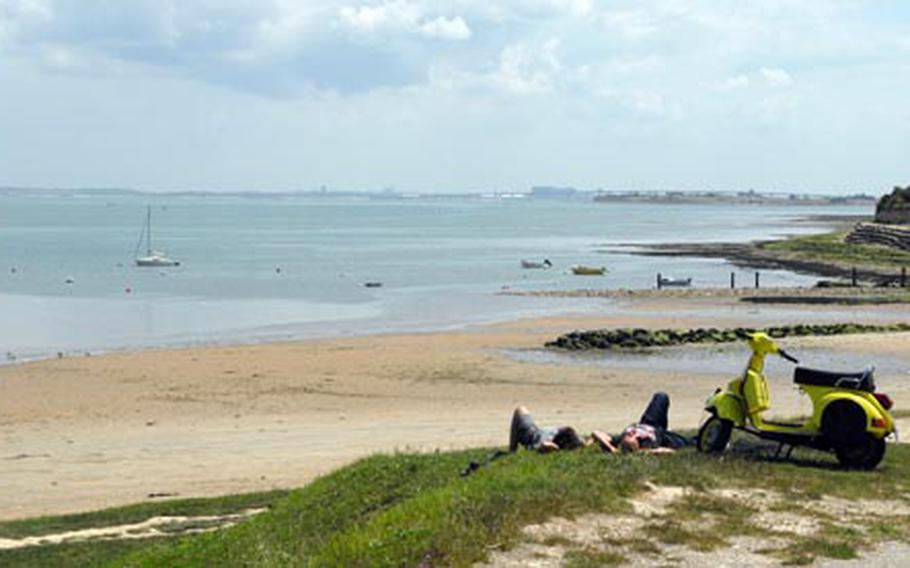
(152,257)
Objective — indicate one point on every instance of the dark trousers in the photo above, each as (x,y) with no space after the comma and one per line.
(522,431)
(657,415)
(657,412)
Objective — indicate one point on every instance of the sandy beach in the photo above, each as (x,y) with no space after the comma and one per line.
(82,433)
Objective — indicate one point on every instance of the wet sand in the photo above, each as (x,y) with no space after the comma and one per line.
(84,433)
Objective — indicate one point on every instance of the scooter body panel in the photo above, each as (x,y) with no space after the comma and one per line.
(879,422)
(727,406)
(801,429)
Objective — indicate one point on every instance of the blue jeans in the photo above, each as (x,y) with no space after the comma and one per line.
(657,415)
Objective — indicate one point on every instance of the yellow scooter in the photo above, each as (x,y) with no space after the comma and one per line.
(848,416)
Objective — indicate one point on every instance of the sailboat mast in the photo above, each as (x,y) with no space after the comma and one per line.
(148,233)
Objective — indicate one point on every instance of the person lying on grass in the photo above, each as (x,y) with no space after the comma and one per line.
(650,434)
(525,432)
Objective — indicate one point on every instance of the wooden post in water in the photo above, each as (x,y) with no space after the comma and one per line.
(658,280)
(853,276)
(903,277)
(732,280)
(756,279)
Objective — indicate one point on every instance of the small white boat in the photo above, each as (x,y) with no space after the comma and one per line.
(155,258)
(152,257)
(583,270)
(678,282)
(545,263)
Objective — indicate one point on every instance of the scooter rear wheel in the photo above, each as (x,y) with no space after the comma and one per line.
(844,423)
(864,454)
(714,435)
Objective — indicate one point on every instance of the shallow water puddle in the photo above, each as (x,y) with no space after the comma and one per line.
(724,360)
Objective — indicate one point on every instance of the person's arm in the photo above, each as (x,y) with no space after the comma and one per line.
(547,447)
(661,450)
(603,441)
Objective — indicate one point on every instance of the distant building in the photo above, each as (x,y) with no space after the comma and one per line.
(549,192)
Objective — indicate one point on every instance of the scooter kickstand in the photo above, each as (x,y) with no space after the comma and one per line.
(780,446)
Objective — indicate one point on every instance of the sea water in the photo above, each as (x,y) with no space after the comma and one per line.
(271,268)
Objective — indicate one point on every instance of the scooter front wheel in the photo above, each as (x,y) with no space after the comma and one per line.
(864,454)
(714,435)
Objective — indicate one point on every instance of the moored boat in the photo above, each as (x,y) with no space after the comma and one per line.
(545,263)
(583,270)
(152,257)
(678,282)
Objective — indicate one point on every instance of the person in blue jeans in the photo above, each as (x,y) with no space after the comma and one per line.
(650,434)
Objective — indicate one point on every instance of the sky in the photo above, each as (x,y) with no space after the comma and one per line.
(253,95)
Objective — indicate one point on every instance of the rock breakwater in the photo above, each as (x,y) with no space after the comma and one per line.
(640,338)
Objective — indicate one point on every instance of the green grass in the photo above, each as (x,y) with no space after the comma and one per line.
(805,550)
(83,554)
(586,558)
(831,248)
(137,513)
(408,509)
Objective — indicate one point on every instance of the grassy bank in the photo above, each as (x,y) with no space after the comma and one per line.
(410,509)
(99,552)
(830,248)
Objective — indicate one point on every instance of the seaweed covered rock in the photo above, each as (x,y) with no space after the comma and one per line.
(640,338)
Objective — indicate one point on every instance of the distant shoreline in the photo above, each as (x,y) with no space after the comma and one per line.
(661,197)
(736,199)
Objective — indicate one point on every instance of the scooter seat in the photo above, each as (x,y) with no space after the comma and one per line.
(858,381)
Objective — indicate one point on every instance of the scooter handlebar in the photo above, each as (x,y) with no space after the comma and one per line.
(787,356)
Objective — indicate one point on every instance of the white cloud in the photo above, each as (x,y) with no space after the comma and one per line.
(19,15)
(648,102)
(575,7)
(366,19)
(26,9)
(731,83)
(61,58)
(767,77)
(776,77)
(446,28)
(631,24)
(283,30)
(521,69)
(525,69)
(450,78)
(402,16)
